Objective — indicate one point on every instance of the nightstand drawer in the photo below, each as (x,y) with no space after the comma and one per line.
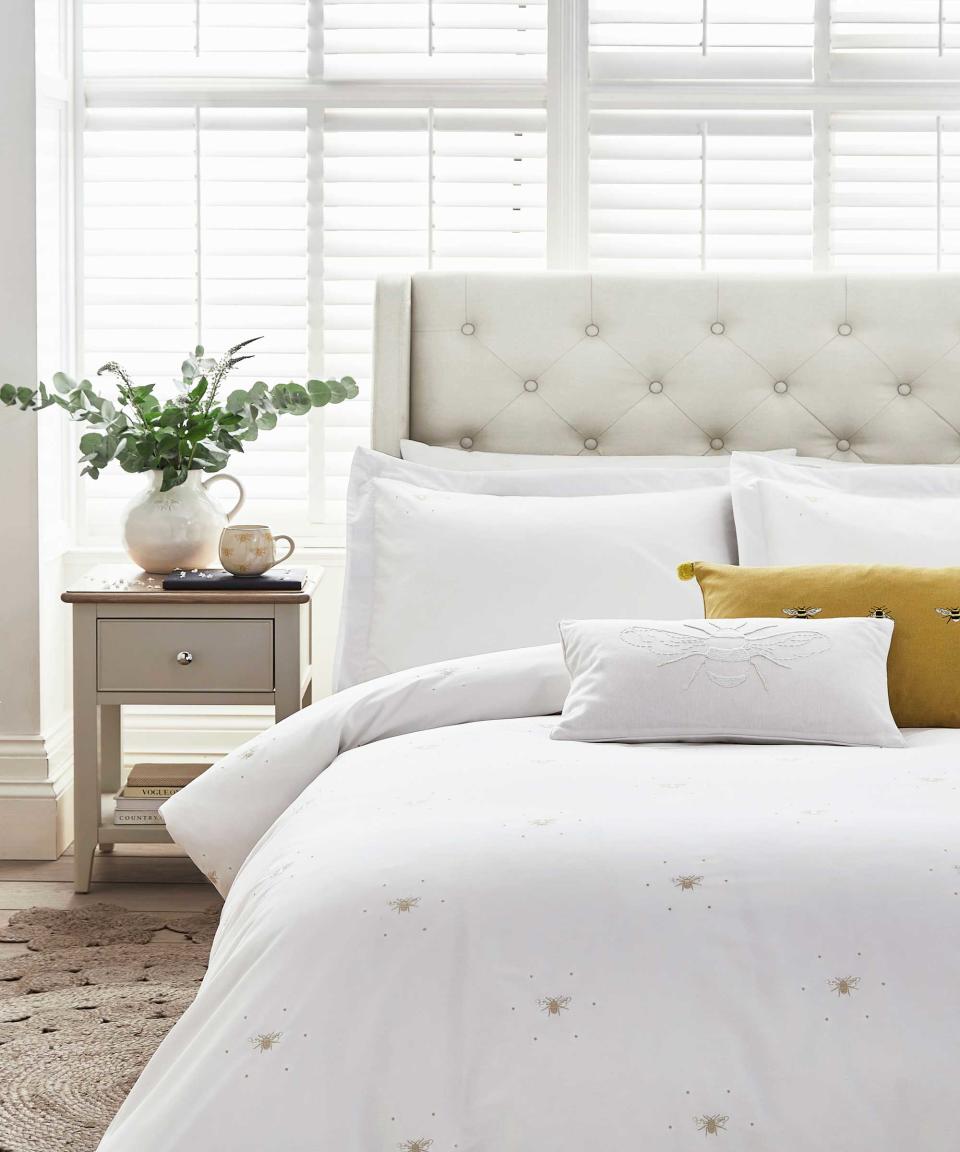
(185,655)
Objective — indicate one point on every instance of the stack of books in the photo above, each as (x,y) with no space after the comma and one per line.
(150,785)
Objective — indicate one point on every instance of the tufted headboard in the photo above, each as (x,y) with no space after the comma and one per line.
(853,366)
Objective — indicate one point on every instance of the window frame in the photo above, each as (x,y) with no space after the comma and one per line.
(567,94)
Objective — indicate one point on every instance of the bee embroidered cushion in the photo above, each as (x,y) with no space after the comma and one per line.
(923,603)
(753,680)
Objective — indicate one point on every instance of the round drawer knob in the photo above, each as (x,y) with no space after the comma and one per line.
(184,658)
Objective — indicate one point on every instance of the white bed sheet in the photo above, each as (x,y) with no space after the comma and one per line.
(474,938)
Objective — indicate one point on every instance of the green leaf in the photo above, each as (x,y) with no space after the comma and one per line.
(90,442)
(8,394)
(62,382)
(25,397)
(237,401)
(171,417)
(319,393)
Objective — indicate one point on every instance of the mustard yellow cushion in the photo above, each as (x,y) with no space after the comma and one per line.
(923,669)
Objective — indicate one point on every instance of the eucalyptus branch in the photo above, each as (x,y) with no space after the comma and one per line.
(126,389)
(184,434)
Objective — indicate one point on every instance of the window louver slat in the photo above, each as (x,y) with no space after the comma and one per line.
(195,227)
(895,40)
(438,40)
(895,191)
(678,190)
(408,190)
(701,39)
(130,38)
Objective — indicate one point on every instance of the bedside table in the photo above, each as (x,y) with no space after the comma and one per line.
(133,643)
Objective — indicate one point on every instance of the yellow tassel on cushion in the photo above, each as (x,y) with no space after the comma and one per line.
(687,571)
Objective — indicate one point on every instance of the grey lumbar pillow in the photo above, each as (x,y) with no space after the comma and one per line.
(792,681)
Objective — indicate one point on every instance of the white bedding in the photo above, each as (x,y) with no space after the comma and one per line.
(474,938)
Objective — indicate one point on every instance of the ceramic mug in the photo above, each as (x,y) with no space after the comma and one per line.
(251,549)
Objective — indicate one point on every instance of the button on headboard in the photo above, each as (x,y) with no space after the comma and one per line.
(856,367)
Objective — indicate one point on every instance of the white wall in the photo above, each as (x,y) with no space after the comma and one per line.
(35,332)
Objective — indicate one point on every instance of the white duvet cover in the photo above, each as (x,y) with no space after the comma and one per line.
(471,938)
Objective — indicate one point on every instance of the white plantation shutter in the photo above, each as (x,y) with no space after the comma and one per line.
(410,189)
(195,230)
(134,38)
(685,191)
(715,39)
(895,191)
(895,40)
(434,39)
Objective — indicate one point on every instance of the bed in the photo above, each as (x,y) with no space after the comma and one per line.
(444,930)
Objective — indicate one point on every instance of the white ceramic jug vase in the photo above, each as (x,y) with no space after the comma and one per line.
(179,528)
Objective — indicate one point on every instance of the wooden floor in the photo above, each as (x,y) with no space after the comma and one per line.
(150,877)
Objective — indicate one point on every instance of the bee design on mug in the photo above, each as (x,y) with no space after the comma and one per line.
(730,654)
(952,614)
(801,613)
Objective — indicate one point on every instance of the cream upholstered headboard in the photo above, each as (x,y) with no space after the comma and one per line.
(856,367)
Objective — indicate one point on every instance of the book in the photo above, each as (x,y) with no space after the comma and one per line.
(160,780)
(139,803)
(217,580)
(158,792)
(137,818)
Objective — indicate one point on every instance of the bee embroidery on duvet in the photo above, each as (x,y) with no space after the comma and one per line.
(711,1125)
(404,903)
(844,985)
(554,1005)
(687,883)
(420,1145)
(266,1041)
(801,613)
(952,614)
(729,653)
(879,613)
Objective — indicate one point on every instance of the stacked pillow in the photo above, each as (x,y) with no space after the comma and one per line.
(490,551)
(455,563)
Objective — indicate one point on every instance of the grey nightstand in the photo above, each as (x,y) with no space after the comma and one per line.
(133,643)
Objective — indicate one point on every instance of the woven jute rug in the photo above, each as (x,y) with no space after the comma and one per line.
(83,1010)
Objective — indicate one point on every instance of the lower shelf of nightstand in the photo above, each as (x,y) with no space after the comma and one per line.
(111,833)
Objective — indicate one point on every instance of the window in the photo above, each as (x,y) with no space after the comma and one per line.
(250,167)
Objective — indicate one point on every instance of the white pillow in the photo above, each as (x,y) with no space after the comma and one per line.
(433,572)
(801,682)
(456,459)
(791,513)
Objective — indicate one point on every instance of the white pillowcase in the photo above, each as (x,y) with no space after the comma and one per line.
(792,513)
(799,682)
(459,563)
(456,459)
